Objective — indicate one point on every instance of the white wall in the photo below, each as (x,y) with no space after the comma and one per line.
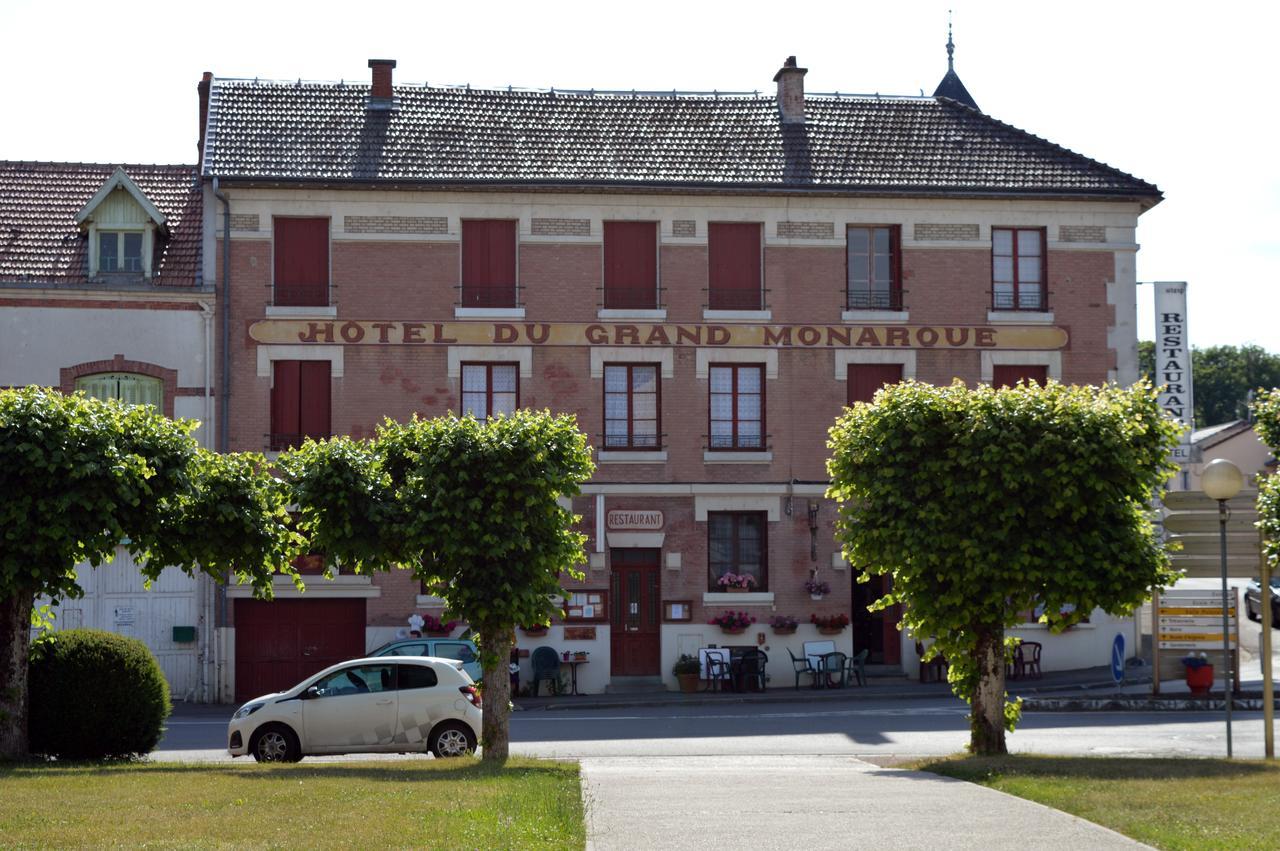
(593,677)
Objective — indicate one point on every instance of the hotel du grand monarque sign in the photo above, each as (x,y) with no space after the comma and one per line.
(372,332)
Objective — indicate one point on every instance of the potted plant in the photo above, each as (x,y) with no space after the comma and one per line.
(783,624)
(580,655)
(535,631)
(830,624)
(733,623)
(817,588)
(736,582)
(687,670)
(1199,672)
(433,626)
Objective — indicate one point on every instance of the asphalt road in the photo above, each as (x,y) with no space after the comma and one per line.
(858,728)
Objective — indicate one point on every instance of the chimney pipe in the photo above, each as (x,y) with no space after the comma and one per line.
(790,80)
(202,88)
(380,94)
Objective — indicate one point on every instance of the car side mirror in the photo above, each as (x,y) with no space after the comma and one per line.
(310,693)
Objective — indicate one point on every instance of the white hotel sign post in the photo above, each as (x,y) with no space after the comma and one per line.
(1173,360)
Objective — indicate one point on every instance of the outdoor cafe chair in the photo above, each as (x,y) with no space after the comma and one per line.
(801,665)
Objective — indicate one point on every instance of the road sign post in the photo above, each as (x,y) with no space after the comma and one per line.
(1117,659)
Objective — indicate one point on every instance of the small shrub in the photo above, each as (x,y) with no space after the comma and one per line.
(95,695)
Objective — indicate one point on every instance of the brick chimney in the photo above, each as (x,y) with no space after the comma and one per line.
(380,95)
(202,88)
(790,80)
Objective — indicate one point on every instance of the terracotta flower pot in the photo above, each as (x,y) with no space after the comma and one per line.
(1200,680)
(830,630)
(688,683)
(534,632)
(784,630)
(733,630)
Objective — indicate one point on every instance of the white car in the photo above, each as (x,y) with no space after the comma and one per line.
(389,705)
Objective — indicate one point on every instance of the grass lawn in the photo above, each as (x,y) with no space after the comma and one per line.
(1168,803)
(425,804)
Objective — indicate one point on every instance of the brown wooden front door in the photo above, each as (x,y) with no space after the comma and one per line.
(634,618)
(876,631)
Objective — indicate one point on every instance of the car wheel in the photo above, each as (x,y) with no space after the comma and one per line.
(452,739)
(1249,610)
(275,743)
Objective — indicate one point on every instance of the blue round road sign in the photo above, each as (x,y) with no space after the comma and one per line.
(1117,659)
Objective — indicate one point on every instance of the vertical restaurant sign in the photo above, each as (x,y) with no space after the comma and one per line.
(1173,359)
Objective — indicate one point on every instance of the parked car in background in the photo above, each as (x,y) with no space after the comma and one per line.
(460,649)
(374,705)
(1253,600)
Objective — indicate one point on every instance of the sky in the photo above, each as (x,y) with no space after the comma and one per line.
(1174,93)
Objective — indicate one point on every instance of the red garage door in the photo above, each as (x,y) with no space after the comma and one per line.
(280,642)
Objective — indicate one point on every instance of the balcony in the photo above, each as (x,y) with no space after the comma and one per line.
(873,299)
(733,298)
(502,296)
(1034,300)
(301,295)
(630,298)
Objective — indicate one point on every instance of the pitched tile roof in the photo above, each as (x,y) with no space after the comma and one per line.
(866,144)
(41,243)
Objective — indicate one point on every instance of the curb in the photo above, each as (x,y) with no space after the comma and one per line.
(783,696)
(1120,703)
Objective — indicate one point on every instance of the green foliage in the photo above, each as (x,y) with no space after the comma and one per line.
(1266,412)
(470,505)
(81,476)
(1223,376)
(984,503)
(96,695)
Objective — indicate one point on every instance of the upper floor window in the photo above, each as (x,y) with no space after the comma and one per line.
(630,265)
(737,406)
(1017,269)
(299,402)
(737,544)
(631,404)
(865,379)
(120,251)
(489,263)
(874,268)
(734,281)
(301,262)
(127,387)
(490,389)
(1007,375)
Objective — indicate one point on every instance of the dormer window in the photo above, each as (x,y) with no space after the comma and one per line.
(119,251)
(124,229)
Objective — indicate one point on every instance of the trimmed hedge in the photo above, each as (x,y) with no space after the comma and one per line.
(95,695)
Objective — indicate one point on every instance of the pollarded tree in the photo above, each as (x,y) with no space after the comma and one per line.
(80,476)
(1266,411)
(473,507)
(985,503)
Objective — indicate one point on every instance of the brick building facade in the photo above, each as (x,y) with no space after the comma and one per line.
(704,280)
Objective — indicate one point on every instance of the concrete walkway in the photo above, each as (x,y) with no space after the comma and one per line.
(808,802)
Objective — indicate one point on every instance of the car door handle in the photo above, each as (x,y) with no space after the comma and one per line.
(384,702)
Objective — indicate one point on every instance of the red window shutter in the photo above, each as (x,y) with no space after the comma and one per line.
(631,265)
(1008,376)
(733,257)
(313,404)
(866,378)
(489,263)
(285,389)
(301,261)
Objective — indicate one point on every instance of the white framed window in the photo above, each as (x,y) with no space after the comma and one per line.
(120,251)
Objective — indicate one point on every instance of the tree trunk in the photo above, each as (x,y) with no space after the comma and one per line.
(986,717)
(495,651)
(15,642)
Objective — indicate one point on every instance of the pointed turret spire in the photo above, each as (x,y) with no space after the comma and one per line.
(951,87)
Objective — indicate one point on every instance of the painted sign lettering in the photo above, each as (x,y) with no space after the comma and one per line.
(358,332)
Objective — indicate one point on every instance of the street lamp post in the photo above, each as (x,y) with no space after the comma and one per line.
(1222,480)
